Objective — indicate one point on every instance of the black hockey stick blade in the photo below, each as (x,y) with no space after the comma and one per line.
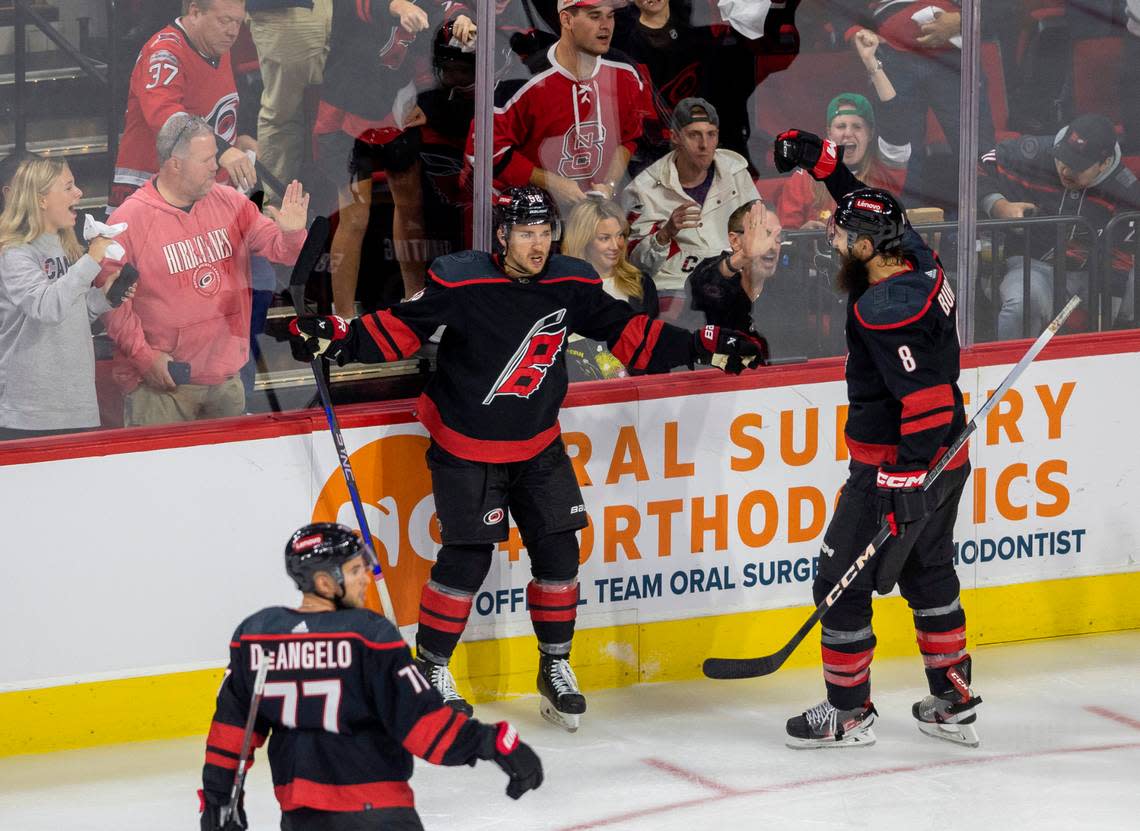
(727,668)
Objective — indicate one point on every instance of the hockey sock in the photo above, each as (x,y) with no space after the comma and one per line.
(847,666)
(941,635)
(443,616)
(553,610)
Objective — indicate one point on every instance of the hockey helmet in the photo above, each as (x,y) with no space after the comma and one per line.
(321,546)
(527,205)
(452,60)
(872,213)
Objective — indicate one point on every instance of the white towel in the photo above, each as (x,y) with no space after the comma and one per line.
(94,228)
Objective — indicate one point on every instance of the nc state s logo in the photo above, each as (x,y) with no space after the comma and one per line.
(526,370)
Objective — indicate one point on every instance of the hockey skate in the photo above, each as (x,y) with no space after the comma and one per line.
(951,715)
(561,702)
(439,676)
(825,726)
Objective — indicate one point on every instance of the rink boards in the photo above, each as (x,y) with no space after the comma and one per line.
(133,556)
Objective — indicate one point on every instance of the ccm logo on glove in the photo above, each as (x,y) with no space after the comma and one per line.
(886,479)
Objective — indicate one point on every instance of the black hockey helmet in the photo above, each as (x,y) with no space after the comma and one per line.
(872,213)
(321,546)
(527,205)
(450,56)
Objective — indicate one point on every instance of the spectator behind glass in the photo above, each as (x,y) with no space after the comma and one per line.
(191,239)
(804,202)
(1130,80)
(917,46)
(292,40)
(573,125)
(47,303)
(184,68)
(597,232)
(724,287)
(679,206)
(1076,173)
(369,122)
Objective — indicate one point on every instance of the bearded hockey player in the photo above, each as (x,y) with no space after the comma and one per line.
(344,706)
(905,410)
(492,412)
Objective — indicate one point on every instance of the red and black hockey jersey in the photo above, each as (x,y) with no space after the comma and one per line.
(904,405)
(501,366)
(344,708)
(571,127)
(171,76)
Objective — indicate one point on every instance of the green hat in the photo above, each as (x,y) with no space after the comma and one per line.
(850,103)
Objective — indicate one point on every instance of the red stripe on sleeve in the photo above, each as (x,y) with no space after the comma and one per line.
(379,339)
(448,739)
(424,732)
(655,328)
(218,760)
(924,400)
(225,737)
(402,335)
(918,425)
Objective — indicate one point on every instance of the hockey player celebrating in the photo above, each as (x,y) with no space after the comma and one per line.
(345,703)
(492,412)
(905,410)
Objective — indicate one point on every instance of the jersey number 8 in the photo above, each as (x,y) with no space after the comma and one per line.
(907,358)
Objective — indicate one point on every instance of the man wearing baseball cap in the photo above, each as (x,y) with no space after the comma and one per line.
(679,206)
(1077,172)
(805,203)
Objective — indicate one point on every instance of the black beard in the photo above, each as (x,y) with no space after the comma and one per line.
(853,277)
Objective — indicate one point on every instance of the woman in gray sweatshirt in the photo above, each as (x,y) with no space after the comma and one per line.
(47,303)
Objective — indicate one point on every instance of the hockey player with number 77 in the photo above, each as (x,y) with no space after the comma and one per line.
(905,410)
(492,412)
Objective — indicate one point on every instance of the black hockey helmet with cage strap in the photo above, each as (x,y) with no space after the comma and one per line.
(527,205)
(873,213)
(321,546)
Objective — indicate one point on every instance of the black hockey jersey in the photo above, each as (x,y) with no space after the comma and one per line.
(501,367)
(344,709)
(904,405)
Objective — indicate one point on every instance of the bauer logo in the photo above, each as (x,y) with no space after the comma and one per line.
(869,205)
(395,487)
(493,517)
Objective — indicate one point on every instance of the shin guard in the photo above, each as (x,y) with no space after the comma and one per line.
(553,610)
(443,617)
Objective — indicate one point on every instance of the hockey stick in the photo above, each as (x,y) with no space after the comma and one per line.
(767,664)
(230,808)
(379,600)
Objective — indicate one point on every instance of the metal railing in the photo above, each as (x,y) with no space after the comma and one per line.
(1131,222)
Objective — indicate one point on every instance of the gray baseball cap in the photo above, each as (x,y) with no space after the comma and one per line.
(689,111)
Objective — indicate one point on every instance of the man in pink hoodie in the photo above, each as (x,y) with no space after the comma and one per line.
(185,335)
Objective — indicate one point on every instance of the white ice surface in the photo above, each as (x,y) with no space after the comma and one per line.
(710,755)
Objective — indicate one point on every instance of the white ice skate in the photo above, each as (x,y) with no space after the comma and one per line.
(561,702)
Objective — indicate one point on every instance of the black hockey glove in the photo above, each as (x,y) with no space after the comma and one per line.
(313,335)
(798,148)
(901,499)
(728,349)
(501,743)
(211,813)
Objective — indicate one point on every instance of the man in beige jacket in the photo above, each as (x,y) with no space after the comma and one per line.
(679,206)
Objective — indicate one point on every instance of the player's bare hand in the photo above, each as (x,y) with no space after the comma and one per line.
(293,215)
(157,375)
(411,17)
(684,216)
(563,190)
(867,44)
(464,30)
(1004,209)
(939,31)
(98,248)
(239,167)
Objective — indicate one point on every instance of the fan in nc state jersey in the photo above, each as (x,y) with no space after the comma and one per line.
(345,703)
(492,412)
(905,410)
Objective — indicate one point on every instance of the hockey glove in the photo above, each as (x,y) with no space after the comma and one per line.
(797,148)
(901,498)
(728,349)
(501,742)
(312,335)
(211,815)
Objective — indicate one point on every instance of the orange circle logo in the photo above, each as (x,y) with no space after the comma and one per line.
(395,487)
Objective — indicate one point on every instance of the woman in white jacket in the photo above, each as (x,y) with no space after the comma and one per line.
(47,303)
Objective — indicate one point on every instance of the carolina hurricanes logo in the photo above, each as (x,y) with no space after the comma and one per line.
(493,517)
(525,372)
(207,281)
(224,117)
